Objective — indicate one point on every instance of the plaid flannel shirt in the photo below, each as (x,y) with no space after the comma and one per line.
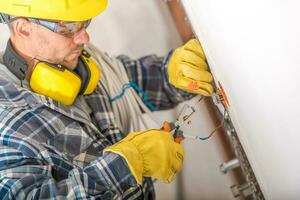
(52,151)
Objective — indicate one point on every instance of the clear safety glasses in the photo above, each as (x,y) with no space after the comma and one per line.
(67,29)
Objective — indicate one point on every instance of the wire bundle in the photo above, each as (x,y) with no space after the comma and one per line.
(129,109)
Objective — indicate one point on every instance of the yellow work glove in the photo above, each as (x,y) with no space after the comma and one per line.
(187,69)
(152,153)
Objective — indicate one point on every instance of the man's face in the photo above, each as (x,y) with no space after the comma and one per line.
(57,48)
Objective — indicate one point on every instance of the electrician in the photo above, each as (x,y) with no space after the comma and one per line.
(59,138)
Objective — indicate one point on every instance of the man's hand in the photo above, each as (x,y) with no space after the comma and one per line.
(152,153)
(187,69)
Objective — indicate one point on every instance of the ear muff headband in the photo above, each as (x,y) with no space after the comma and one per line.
(63,85)
(94,73)
(89,73)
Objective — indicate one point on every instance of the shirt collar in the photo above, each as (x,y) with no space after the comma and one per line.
(14,62)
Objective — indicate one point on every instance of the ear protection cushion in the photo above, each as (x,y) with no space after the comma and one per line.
(55,82)
(93,70)
(83,71)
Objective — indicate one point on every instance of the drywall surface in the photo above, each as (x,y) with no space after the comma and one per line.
(253,49)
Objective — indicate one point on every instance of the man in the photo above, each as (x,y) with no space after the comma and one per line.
(58,137)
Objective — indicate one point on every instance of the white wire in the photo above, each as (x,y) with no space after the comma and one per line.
(129,109)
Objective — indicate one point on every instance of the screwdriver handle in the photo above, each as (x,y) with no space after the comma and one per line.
(169,127)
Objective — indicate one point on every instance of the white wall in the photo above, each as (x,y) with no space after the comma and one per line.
(134,27)
(4,34)
(253,49)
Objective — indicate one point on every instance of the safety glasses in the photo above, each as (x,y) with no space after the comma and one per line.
(67,29)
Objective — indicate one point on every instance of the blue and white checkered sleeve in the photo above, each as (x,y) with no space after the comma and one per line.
(26,178)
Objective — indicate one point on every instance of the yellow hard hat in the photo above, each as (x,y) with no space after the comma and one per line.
(64,10)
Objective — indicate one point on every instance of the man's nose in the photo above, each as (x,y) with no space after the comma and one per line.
(82,37)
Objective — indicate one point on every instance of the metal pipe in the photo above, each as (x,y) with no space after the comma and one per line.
(226,166)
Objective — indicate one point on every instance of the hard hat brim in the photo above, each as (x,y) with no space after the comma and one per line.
(63,10)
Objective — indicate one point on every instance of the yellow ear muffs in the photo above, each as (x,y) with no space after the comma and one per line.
(63,85)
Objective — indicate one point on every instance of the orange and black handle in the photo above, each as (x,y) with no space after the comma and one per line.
(178,135)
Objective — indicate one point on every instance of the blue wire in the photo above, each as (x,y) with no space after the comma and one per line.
(138,90)
(122,93)
(204,138)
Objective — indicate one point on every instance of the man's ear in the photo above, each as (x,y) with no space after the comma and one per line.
(22,27)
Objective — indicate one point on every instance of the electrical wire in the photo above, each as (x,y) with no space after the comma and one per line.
(138,90)
(210,134)
(129,109)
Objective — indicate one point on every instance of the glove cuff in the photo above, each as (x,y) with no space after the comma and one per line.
(130,153)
